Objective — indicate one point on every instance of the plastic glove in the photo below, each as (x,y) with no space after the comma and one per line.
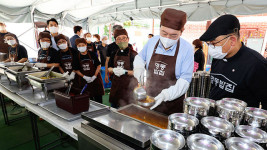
(139,74)
(119,71)
(92,79)
(27,64)
(65,74)
(41,65)
(71,76)
(163,96)
(87,79)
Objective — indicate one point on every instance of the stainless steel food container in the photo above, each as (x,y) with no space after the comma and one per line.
(3,56)
(13,73)
(3,66)
(254,134)
(255,117)
(237,143)
(166,140)
(233,112)
(183,123)
(203,142)
(217,127)
(198,107)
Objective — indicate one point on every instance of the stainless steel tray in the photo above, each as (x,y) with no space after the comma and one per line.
(52,107)
(132,130)
(36,76)
(36,97)
(12,86)
(7,64)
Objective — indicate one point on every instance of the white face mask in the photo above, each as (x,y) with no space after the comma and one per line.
(82,49)
(44,44)
(88,39)
(216,52)
(94,39)
(53,29)
(166,42)
(11,42)
(63,46)
(2,28)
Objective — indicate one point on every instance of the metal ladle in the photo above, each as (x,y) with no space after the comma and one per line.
(140,92)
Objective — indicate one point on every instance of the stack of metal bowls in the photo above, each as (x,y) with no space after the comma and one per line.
(198,107)
(230,110)
(183,123)
(166,140)
(203,142)
(255,117)
(253,134)
(237,143)
(217,127)
(200,85)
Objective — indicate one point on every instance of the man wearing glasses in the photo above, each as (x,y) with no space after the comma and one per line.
(169,62)
(236,71)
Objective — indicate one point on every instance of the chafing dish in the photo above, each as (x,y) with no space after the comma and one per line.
(217,127)
(166,140)
(47,84)
(198,107)
(18,74)
(237,143)
(230,111)
(254,134)
(203,142)
(255,117)
(3,66)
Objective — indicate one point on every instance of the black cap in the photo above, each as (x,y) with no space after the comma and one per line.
(223,25)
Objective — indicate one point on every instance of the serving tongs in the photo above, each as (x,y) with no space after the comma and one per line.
(140,92)
(48,72)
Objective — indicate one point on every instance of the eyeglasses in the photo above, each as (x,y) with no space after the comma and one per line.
(122,39)
(214,44)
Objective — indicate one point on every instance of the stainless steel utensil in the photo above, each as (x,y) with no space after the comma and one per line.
(237,143)
(254,134)
(145,103)
(182,122)
(140,92)
(203,142)
(48,72)
(68,89)
(255,117)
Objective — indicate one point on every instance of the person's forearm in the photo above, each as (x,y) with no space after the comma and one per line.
(60,69)
(106,66)
(52,64)
(110,70)
(130,72)
(97,70)
(79,73)
(22,60)
(8,60)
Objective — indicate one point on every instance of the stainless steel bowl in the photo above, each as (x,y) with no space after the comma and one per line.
(230,111)
(218,126)
(255,117)
(197,106)
(237,143)
(146,104)
(182,121)
(254,134)
(234,100)
(203,142)
(166,140)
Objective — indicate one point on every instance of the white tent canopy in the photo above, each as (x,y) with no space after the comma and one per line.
(96,12)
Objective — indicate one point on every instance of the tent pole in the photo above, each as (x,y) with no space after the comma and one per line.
(153,24)
(109,33)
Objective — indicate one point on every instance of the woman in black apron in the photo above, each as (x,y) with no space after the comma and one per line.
(87,67)
(121,65)
(66,57)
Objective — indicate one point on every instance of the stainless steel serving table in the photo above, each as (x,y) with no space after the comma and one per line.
(36,97)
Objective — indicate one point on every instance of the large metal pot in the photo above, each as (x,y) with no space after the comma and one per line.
(166,140)
(231,111)
(198,107)
(217,127)
(183,123)
(237,143)
(255,117)
(203,142)
(3,56)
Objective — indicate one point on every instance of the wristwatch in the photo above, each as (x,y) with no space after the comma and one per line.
(126,72)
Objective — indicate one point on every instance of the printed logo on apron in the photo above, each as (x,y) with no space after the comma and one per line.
(68,65)
(160,68)
(48,58)
(86,67)
(120,64)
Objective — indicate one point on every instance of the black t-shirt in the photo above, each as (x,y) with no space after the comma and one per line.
(22,52)
(242,76)
(200,59)
(122,53)
(103,53)
(53,55)
(77,65)
(114,47)
(67,55)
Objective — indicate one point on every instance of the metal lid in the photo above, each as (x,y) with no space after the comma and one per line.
(234,100)
(256,112)
(167,139)
(203,142)
(198,102)
(229,106)
(237,143)
(184,120)
(217,124)
(254,134)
